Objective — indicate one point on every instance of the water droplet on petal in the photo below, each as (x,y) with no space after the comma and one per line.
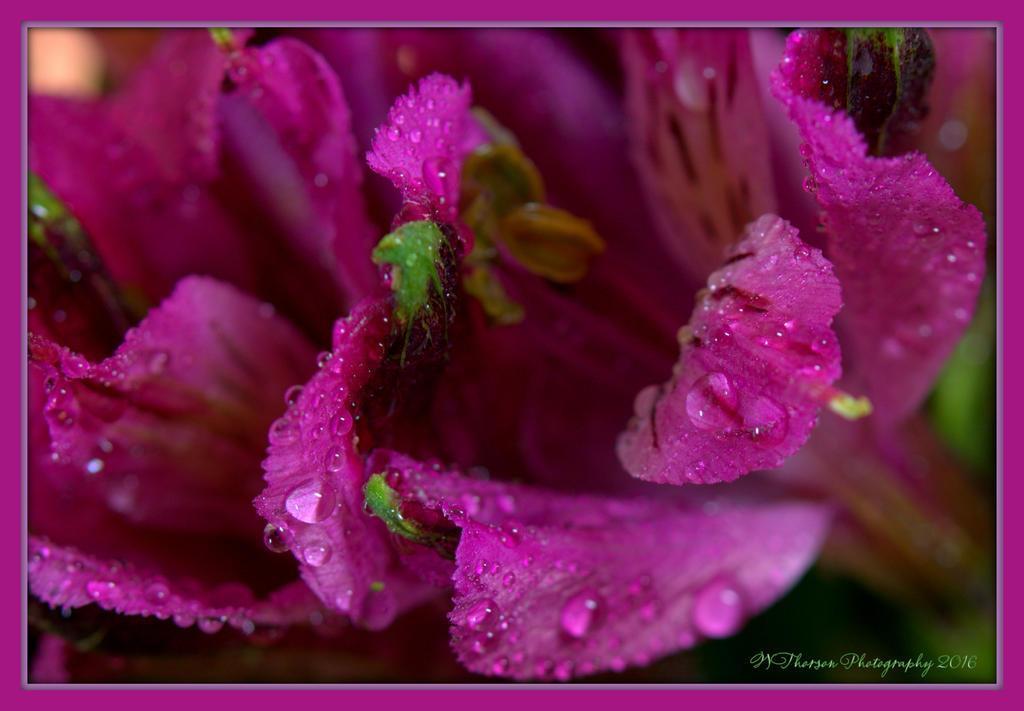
(415,135)
(508,580)
(94,466)
(183,619)
(441,176)
(322,358)
(480,612)
(311,501)
(717,609)
(156,593)
(291,395)
(75,365)
(712,402)
(316,553)
(579,612)
(767,421)
(341,424)
(563,670)
(282,431)
(209,625)
(334,460)
(273,539)
(99,589)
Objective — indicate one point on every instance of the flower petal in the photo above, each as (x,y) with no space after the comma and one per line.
(756,361)
(314,475)
(909,253)
(172,101)
(428,134)
(698,137)
(287,121)
(142,205)
(168,430)
(550,586)
(283,139)
(63,576)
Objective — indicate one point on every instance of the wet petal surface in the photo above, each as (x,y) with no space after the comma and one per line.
(756,359)
(428,134)
(313,501)
(62,576)
(168,430)
(910,255)
(552,587)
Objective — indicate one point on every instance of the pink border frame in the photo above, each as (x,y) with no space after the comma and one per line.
(531,12)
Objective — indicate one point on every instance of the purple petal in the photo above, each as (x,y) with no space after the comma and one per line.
(699,138)
(909,253)
(134,180)
(63,576)
(288,122)
(314,474)
(428,134)
(168,430)
(550,586)
(756,361)
(172,100)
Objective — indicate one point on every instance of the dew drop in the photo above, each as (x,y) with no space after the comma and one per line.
(712,402)
(415,135)
(767,422)
(156,593)
(291,395)
(717,609)
(393,133)
(273,539)
(650,610)
(441,176)
(341,424)
(75,365)
(334,460)
(209,625)
(563,670)
(322,358)
(103,591)
(282,431)
(94,466)
(579,612)
(508,580)
(183,619)
(311,501)
(480,613)
(316,553)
